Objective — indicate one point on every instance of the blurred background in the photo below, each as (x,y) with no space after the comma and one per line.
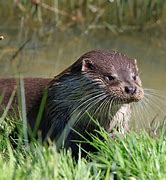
(43,37)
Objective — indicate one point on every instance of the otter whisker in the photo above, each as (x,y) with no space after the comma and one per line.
(111,101)
(136,113)
(100,106)
(143,113)
(83,102)
(95,115)
(114,118)
(104,113)
(111,104)
(145,110)
(155,103)
(139,113)
(87,108)
(139,117)
(156,99)
(154,91)
(144,103)
(148,108)
(133,112)
(158,94)
(109,114)
(151,113)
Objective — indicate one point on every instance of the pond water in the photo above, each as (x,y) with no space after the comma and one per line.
(49,55)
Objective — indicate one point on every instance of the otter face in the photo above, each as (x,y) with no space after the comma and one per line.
(125,84)
(116,73)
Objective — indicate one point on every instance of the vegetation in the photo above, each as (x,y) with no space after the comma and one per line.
(135,156)
(115,15)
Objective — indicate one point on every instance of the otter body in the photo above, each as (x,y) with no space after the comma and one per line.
(100,86)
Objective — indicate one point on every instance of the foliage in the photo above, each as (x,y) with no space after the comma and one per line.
(135,156)
(112,14)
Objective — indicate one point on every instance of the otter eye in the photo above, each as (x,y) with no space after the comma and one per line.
(135,77)
(110,78)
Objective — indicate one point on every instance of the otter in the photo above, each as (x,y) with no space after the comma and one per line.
(97,89)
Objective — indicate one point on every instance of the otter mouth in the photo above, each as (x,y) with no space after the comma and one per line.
(127,95)
(135,98)
(126,98)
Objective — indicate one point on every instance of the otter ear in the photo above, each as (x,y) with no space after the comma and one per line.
(87,65)
(135,64)
(135,61)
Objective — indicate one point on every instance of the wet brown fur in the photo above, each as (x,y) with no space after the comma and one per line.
(33,91)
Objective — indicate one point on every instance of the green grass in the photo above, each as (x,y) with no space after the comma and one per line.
(138,156)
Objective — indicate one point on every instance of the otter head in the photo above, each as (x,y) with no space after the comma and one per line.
(114,72)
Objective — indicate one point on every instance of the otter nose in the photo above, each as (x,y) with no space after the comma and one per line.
(130,90)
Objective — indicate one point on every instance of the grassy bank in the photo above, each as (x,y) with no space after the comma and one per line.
(136,156)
